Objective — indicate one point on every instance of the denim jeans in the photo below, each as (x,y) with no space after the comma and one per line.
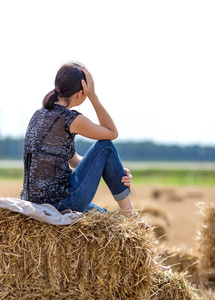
(101,160)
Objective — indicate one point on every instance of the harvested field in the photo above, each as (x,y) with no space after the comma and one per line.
(183,216)
(175,213)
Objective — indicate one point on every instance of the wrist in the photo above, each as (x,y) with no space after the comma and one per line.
(94,98)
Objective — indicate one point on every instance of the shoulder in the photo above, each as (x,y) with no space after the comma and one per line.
(71,115)
(37,115)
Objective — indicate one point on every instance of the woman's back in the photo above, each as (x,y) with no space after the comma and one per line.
(48,146)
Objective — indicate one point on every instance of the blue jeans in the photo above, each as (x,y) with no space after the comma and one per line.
(101,160)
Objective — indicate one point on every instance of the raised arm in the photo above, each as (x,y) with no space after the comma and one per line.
(106,130)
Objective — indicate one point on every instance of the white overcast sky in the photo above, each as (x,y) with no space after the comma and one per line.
(153,63)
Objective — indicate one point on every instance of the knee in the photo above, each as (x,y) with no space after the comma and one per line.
(105,144)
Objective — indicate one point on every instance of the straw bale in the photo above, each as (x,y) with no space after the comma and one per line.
(182,260)
(206,249)
(175,197)
(160,230)
(159,220)
(194,194)
(173,286)
(207,295)
(159,192)
(155,212)
(102,256)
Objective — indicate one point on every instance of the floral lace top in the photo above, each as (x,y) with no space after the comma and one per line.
(48,146)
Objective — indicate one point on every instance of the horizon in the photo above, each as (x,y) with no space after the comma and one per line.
(127,140)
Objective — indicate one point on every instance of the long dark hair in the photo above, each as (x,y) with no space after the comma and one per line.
(67,83)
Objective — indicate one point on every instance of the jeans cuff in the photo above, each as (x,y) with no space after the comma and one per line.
(122,195)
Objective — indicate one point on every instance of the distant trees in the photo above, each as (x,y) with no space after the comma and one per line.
(149,151)
(11,148)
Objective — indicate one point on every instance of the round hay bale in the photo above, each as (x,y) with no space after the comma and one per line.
(156,193)
(155,212)
(160,230)
(182,260)
(173,286)
(207,295)
(102,256)
(206,239)
(175,197)
(159,192)
(159,219)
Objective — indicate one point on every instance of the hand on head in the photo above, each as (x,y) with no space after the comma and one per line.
(88,85)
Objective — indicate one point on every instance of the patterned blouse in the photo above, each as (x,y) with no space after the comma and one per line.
(48,146)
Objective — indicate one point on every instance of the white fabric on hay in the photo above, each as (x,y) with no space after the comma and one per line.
(42,212)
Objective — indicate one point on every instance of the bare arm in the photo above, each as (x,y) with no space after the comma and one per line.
(75,160)
(83,126)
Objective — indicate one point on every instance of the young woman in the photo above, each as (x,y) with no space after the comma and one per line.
(49,149)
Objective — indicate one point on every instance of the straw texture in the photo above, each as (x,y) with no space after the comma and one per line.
(173,286)
(182,260)
(206,249)
(101,256)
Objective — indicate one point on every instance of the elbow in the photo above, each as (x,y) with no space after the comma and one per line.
(115,135)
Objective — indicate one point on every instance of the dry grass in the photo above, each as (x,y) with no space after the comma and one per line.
(173,286)
(182,260)
(206,240)
(102,256)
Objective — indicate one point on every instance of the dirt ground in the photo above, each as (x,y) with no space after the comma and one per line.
(177,206)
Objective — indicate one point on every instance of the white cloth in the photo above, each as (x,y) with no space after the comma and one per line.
(41,212)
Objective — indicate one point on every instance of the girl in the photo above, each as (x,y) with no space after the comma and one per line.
(49,149)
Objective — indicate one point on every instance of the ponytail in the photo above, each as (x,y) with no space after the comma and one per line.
(50,99)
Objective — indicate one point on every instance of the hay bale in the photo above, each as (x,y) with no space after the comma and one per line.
(158,192)
(160,230)
(173,286)
(159,220)
(207,295)
(206,249)
(182,260)
(175,197)
(168,193)
(153,211)
(194,194)
(102,256)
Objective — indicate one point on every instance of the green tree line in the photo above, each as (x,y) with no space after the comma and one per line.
(12,148)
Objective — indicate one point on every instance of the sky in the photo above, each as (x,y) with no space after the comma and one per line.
(153,63)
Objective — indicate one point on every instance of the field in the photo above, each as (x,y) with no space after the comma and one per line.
(172,198)
(175,192)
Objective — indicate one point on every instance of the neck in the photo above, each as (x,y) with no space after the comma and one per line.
(63,102)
